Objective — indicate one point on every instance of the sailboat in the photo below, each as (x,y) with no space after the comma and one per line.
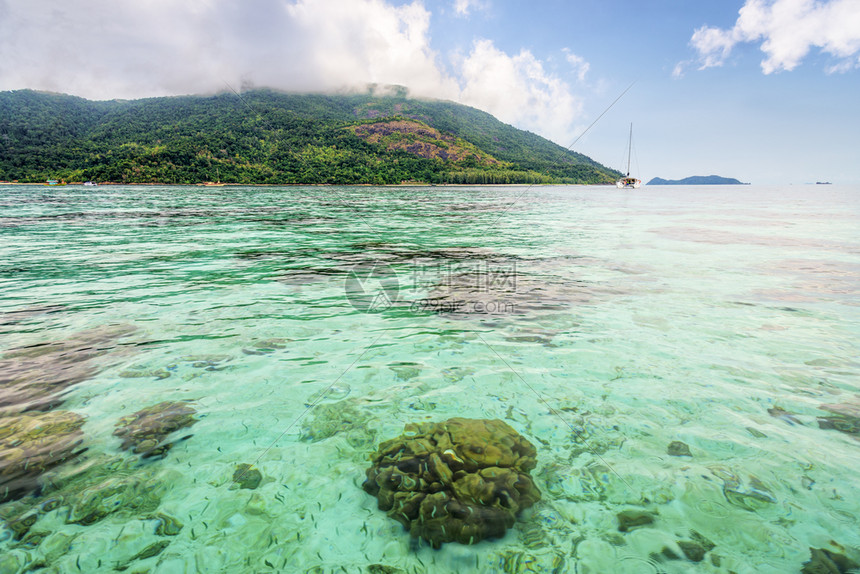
(214,183)
(628,182)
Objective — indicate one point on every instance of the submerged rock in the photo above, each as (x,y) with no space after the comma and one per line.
(630,519)
(756,433)
(780,413)
(824,561)
(266,347)
(143,373)
(847,425)
(150,551)
(383,569)
(346,416)
(107,489)
(96,500)
(33,377)
(103,486)
(246,476)
(696,548)
(693,550)
(498,289)
(845,418)
(21,526)
(32,443)
(461,480)
(678,448)
(406,371)
(99,488)
(166,524)
(144,432)
(751,494)
(850,408)
(153,549)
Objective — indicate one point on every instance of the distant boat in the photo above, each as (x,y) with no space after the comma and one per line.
(90,184)
(55,182)
(822,183)
(215,183)
(628,182)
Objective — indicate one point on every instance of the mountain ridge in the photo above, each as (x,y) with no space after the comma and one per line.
(268,137)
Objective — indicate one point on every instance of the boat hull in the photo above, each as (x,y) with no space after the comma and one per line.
(628,183)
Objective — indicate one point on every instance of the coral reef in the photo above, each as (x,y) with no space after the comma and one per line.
(461,480)
(145,431)
(32,443)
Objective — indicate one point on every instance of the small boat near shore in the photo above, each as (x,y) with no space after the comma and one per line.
(214,183)
(628,182)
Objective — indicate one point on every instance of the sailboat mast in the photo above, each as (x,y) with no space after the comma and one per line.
(629,149)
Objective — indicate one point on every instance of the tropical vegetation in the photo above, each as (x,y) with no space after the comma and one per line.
(269,137)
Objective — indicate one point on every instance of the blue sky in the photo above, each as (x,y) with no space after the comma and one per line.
(761,90)
(734,120)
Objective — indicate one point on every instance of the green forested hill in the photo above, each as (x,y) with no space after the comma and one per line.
(270,137)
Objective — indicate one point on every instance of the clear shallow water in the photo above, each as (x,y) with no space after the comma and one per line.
(601,325)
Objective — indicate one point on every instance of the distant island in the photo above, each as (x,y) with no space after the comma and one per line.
(697,180)
(269,137)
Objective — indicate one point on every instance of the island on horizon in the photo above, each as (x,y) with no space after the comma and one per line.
(697,180)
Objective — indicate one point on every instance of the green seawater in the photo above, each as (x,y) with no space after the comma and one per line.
(305,325)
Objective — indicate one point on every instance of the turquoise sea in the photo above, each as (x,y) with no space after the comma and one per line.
(686,361)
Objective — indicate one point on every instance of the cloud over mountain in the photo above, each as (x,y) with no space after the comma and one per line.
(102,49)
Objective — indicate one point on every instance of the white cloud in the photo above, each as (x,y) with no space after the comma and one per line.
(578,63)
(353,42)
(843,66)
(787,30)
(102,49)
(680,69)
(465,7)
(517,90)
(105,49)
